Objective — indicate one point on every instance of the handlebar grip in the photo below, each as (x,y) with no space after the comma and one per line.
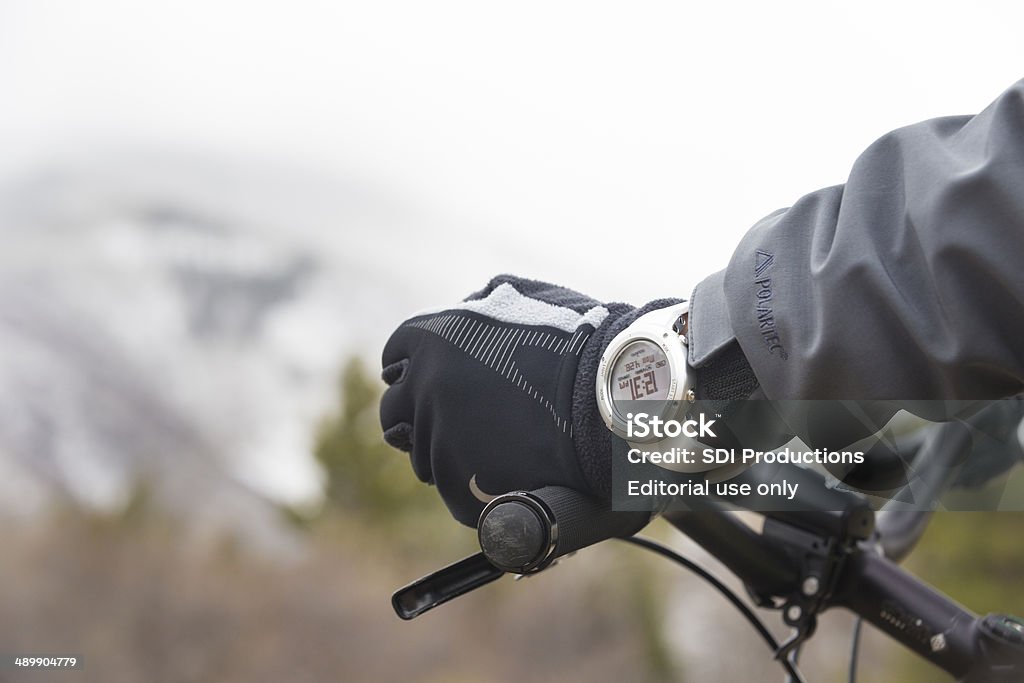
(524,531)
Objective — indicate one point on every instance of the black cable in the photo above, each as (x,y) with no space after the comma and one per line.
(854,648)
(665,551)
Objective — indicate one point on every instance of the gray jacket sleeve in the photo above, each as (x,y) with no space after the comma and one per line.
(906,283)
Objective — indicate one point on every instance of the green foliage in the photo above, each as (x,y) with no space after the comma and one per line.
(364,474)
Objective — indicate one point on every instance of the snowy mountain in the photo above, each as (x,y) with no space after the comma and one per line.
(185,321)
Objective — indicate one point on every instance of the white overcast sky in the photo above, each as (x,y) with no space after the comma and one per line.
(533,125)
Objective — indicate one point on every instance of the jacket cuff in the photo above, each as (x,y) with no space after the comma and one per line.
(710,328)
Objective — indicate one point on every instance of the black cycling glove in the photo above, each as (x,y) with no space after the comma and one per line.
(497,393)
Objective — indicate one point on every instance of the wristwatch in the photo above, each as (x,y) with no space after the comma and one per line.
(645,369)
(645,380)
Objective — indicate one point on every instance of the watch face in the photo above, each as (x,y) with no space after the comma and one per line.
(641,373)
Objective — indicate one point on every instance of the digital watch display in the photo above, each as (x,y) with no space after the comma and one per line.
(640,371)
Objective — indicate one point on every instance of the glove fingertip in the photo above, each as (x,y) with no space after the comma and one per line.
(399,436)
(394,373)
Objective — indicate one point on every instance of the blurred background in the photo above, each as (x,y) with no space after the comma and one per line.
(213,213)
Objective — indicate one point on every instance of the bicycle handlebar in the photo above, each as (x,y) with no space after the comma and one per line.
(525,531)
(972,649)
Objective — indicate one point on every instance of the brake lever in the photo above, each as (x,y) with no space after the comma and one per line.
(443,585)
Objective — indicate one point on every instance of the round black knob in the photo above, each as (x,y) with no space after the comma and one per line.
(513,537)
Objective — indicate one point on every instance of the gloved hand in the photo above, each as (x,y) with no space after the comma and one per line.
(497,393)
